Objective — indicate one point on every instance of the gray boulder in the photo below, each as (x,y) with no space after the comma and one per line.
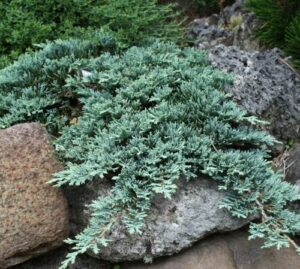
(264,85)
(171,226)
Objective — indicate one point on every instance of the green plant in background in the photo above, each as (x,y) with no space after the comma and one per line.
(133,20)
(279,20)
(293,40)
(146,117)
(27,22)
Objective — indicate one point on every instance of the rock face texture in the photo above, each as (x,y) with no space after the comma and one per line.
(192,214)
(230,251)
(232,27)
(293,164)
(264,86)
(33,214)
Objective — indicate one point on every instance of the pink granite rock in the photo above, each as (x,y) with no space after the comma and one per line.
(33,214)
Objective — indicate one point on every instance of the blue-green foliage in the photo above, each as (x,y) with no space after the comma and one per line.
(146,118)
(34,87)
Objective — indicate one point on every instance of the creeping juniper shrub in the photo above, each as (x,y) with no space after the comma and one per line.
(33,88)
(147,117)
(292,38)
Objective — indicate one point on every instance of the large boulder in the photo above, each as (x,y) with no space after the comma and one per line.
(33,214)
(265,85)
(172,225)
(229,251)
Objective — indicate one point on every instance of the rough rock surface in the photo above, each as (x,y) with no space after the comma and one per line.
(229,251)
(232,27)
(33,214)
(264,85)
(171,226)
(293,164)
(53,259)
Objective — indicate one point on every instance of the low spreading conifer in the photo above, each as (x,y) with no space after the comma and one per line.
(146,117)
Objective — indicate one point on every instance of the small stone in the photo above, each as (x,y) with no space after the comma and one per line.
(85,73)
